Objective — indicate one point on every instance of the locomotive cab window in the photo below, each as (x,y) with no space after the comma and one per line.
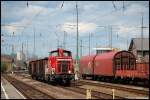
(54,53)
(67,53)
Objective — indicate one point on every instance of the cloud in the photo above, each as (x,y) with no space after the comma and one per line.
(135,9)
(131,31)
(24,17)
(127,31)
(10,29)
(16,27)
(20,13)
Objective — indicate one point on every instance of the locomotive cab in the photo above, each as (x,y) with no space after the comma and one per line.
(61,66)
(57,67)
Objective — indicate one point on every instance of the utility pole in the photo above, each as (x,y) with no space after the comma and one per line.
(13,56)
(27,50)
(57,43)
(142,27)
(77,55)
(142,36)
(34,43)
(110,37)
(22,52)
(127,44)
(13,46)
(89,43)
(13,51)
(80,48)
(64,41)
(57,39)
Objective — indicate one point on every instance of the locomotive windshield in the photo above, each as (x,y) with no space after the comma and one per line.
(67,53)
(54,53)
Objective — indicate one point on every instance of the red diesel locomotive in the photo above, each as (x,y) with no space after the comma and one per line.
(58,67)
(120,66)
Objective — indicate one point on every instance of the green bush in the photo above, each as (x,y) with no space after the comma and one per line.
(3,66)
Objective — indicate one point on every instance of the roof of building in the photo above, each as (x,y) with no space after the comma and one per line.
(137,43)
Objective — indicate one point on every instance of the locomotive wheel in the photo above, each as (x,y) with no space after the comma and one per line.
(84,77)
(67,83)
(37,78)
(94,78)
(134,82)
(146,82)
(34,77)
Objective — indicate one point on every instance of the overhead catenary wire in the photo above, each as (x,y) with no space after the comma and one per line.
(33,18)
(107,13)
(27,4)
(123,7)
(62,4)
(114,5)
(30,22)
(69,25)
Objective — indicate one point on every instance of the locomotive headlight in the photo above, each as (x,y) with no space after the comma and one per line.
(69,71)
(53,70)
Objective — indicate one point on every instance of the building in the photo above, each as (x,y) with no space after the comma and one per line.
(7,60)
(23,56)
(100,50)
(18,56)
(138,49)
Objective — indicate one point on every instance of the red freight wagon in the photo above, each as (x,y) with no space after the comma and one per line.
(86,63)
(97,65)
(125,65)
(142,70)
(113,65)
(104,64)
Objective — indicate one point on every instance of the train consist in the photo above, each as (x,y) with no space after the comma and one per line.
(114,65)
(57,67)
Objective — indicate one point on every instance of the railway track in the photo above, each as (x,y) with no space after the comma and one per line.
(94,94)
(80,88)
(117,87)
(47,89)
(28,91)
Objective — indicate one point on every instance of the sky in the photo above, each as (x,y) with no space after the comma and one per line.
(53,22)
